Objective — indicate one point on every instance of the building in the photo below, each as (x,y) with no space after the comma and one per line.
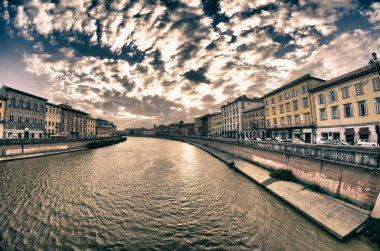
(215,125)
(232,115)
(73,122)
(102,128)
(254,123)
(348,107)
(52,120)
(186,129)
(161,130)
(3,103)
(289,110)
(201,125)
(113,129)
(148,132)
(90,127)
(24,114)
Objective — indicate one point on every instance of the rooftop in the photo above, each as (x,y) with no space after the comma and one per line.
(345,77)
(292,83)
(7,88)
(243,98)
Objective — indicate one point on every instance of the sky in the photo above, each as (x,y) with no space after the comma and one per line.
(145,62)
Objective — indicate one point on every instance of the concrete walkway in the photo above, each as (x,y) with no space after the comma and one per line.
(338,217)
(41,154)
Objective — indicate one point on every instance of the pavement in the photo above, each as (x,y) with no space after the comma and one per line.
(338,217)
(41,154)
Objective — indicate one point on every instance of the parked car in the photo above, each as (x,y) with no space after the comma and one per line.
(259,139)
(268,139)
(366,142)
(298,141)
(13,136)
(337,142)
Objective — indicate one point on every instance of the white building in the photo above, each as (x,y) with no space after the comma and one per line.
(232,115)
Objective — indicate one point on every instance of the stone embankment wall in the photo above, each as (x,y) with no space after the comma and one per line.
(19,147)
(343,172)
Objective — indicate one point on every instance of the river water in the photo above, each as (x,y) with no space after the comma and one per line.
(144,194)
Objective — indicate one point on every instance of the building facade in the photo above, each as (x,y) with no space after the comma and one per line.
(73,122)
(3,103)
(90,127)
(52,120)
(186,129)
(102,128)
(24,114)
(254,123)
(232,116)
(215,125)
(201,125)
(289,110)
(348,107)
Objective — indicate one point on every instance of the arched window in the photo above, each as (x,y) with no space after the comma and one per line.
(13,102)
(28,105)
(20,104)
(34,107)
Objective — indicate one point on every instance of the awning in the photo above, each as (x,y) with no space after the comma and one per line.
(364,132)
(349,133)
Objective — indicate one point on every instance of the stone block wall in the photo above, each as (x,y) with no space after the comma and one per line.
(358,184)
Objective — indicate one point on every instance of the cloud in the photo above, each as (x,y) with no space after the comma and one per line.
(197,76)
(163,61)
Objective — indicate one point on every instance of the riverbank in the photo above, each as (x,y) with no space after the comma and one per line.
(339,218)
(51,148)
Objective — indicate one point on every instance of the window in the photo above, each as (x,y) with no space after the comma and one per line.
(359,89)
(321,99)
(295,105)
(286,95)
(297,119)
(282,121)
(274,110)
(307,119)
(345,92)
(377,105)
(11,118)
(267,111)
(289,120)
(294,93)
(305,103)
(335,112)
(27,105)
(274,122)
(362,105)
(281,108)
(266,102)
(279,98)
(332,95)
(268,123)
(13,102)
(34,107)
(1,105)
(348,111)
(272,100)
(287,107)
(20,104)
(376,84)
(303,89)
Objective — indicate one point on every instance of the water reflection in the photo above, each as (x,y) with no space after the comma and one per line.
(146,194)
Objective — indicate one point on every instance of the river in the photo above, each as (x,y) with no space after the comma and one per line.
(144,194)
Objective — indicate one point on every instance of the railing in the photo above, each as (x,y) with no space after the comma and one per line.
(368,157)
(43,141)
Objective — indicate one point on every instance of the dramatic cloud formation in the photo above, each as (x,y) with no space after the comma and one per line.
(149,62)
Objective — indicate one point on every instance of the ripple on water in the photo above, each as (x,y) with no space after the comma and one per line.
(146,194)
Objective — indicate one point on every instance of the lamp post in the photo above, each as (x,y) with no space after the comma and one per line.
(374,63)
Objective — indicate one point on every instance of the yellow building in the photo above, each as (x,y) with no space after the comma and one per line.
(348,107)
(52,120)
(3,102)
(91,127)
(289,112)
(215,125)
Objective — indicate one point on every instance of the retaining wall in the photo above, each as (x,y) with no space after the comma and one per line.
(359,184)
(19,147)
